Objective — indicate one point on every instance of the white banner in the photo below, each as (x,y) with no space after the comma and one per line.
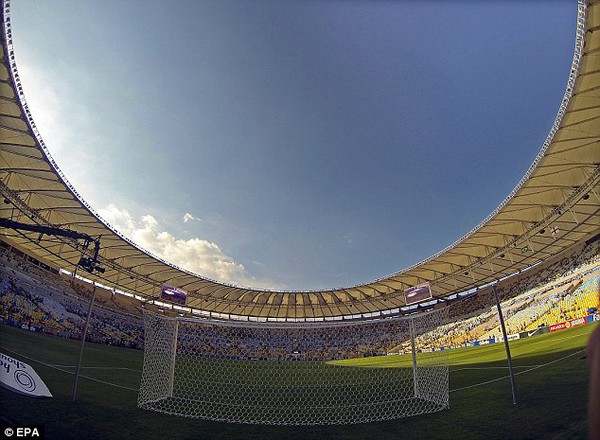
(21,378)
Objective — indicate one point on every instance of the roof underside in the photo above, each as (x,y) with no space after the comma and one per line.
(553,207)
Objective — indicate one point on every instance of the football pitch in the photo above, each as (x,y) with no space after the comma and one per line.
(551,377)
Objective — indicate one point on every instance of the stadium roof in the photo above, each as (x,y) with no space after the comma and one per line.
(554,206)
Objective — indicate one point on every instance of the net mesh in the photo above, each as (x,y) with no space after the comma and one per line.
(293,374)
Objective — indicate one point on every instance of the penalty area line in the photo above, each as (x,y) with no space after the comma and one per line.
(520,372)
(93,379)
(492,368)
(96,368)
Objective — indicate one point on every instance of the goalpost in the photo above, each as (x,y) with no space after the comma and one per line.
(293,374)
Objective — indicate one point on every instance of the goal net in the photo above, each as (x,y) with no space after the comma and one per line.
(294,374)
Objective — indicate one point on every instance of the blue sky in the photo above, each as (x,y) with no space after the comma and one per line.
(294,144)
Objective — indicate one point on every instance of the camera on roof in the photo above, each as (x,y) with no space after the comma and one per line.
(90,265)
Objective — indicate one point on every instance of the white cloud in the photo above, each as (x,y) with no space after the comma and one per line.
(195,254)
(187,217)
(209,220)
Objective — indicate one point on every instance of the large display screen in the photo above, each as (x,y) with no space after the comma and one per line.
(173,295)
(417,294)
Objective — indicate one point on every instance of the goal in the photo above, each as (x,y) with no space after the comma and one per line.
(293,373)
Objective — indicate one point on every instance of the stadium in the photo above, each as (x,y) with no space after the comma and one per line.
(416,354)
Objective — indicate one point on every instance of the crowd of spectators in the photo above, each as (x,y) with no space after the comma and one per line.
(551,274)
(35,299)
(569,297)
(299,343)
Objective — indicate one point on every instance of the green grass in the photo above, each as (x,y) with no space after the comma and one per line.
(551,398)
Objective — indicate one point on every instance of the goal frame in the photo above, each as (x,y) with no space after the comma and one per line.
(172,363)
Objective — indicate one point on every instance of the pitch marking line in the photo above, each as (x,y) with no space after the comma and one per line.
(69,372)
(492,368)
(520,372)
(97,368)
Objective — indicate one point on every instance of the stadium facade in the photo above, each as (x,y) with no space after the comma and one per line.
(553,207)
